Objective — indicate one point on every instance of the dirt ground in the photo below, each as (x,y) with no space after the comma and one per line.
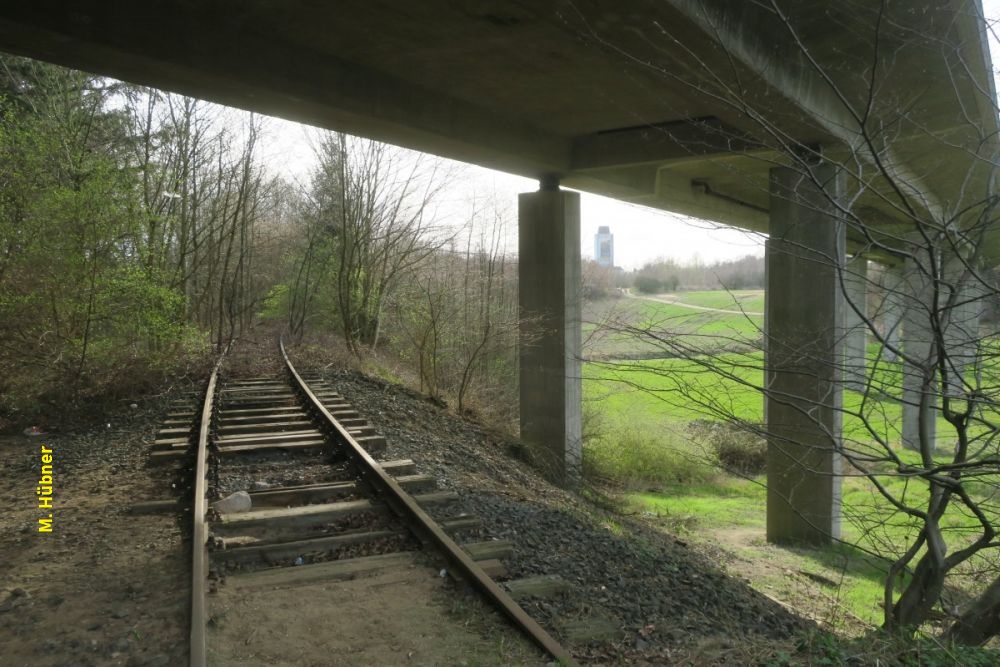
(103,587)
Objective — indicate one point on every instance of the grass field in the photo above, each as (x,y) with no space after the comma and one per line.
(609,324)
(749,301)
(648,394)
(638,423)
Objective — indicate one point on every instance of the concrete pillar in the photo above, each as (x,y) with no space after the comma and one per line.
(855,323)
(920,353)
(893,306)
(766,330)
(920,387)
(955,312)
(961,318)
(550,345)
(805,253)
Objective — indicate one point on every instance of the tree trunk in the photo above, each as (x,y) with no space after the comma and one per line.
(981,621)
(919,597)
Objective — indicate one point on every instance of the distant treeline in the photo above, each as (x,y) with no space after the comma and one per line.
(668,275)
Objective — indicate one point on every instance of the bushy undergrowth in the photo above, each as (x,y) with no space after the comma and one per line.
(640,457)
(636,459)
(739,451)
(47,394)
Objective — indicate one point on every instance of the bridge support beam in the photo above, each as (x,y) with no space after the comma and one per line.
(805,255)
(550,343)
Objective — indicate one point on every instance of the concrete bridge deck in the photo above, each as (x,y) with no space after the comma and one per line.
(682,105)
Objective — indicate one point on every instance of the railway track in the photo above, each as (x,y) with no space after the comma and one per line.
(300,495)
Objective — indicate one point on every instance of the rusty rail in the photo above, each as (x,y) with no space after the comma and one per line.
(199,543)
(407,508)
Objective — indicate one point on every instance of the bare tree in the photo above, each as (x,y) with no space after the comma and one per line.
(457,314)
(424,315)
(203,193)
(374,201)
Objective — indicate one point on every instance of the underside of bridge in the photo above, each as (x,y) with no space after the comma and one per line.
(838,127)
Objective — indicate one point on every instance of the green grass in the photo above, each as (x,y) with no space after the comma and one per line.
(727,503)
(656,394)
(606,323)
(644,442)
(751,301)
(730,504)
(661,396)
(723,502)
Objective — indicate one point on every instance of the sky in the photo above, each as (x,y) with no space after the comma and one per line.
(641,234)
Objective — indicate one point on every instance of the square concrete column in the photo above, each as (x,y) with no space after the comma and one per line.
(855,280)
(963,309)
(805,255)
(920,351)
(891,310)
(550,345)
(953,311)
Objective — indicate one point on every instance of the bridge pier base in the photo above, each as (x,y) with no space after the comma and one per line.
(550,341)
(805,255)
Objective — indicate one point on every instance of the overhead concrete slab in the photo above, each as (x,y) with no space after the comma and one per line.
(681,105)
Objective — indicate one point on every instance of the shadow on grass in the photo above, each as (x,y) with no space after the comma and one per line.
(846,558)
(741,503)
(736,503)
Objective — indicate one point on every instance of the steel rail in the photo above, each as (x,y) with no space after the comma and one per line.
(408,509)
(199,542)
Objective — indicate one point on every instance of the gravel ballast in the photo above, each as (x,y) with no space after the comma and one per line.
(636,595)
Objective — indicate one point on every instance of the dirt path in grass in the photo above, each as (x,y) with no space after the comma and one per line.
(673,301)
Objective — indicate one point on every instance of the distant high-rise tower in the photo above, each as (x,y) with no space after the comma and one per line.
(604,246)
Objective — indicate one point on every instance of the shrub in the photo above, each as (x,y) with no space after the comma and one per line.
(638,459)
(739,450)
(648,284)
